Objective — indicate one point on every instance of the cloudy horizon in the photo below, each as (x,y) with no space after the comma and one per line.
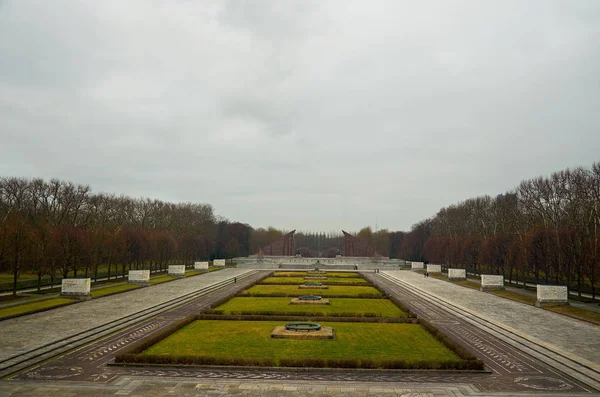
(308,115)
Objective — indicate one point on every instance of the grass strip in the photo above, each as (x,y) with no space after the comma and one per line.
(28,308)
(576,312)
(162,279)
(115,289)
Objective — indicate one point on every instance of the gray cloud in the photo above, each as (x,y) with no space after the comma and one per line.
(310,115)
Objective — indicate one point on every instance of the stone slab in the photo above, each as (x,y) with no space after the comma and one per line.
(551,294)
(417,266)
(139,277)
(457,274)
(219,262)
(200,265)
(298,301)
(281,333)
(176,270)
(76,288)
(491,282)
(434,268)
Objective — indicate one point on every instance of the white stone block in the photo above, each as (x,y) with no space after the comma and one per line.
(551,294)
(200,265)
(219,262)
(176,270)
(434,268)
(490,281)
(457,274)
(76,288)
(417,266)
(139,277)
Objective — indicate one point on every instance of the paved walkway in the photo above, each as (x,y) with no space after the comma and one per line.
(24,333)
(576,337)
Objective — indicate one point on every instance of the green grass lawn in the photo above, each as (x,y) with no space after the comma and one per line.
(161,279)
(301,280)
(112,290)
(381,307)
(250,339)
(577,313)
(468,283)
(293,290)
(215,268)
(33,307)
(329,274)
(530,300)
(192,273)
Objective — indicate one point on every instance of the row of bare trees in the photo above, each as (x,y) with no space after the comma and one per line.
(56,228)
(547,230)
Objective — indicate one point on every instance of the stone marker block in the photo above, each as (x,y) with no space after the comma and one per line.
(219,262)
(78,288)
(176,270)
(434,268)
(552,294)
(200,265)
(417,266)
(491,282)
(141,277)
(457,274)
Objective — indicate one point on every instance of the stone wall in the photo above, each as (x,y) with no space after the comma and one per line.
(434,268)
(457,274)
(491,282)
(139,277)
(200,265)
(176,270)
(76,288)
(552,294)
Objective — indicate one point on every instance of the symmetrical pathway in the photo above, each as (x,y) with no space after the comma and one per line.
(513,372)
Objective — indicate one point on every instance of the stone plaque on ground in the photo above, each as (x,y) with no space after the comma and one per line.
(139,277)
(200,265)
(78,288)
(434,268)
(281,333)
(457,274)
(177,270)
(219,262)
(551,294)
(491,282)
(417,266)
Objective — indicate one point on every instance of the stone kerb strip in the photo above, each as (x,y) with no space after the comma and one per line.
(417,266)
(141,277)
(78,288)
(457,274)
(219,262)
(434,268)
(200,265)
(176,270)
(551,294)
(491,282)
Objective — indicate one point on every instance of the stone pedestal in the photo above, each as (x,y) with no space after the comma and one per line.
(76,288)
(140,277)
(457,274)
(491,282)
(281,333)
(219,262)
(552,295)
(434,268)
(176,270)
(298,301)
(417,266)
(201,266)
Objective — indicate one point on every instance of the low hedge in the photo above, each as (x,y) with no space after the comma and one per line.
(296,317)
(280,313)
(383,364)
(295,295)
(326,282)
(460,351)
(193,360)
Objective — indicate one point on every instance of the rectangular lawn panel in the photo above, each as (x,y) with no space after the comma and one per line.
(112,290)
(294,291)
(380,307)
(301,280)
(251,340)
(34,307)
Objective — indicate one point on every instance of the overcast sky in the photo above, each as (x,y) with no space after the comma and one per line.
(314,115)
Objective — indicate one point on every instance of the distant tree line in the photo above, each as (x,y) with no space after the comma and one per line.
(546,230)
(56,228)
